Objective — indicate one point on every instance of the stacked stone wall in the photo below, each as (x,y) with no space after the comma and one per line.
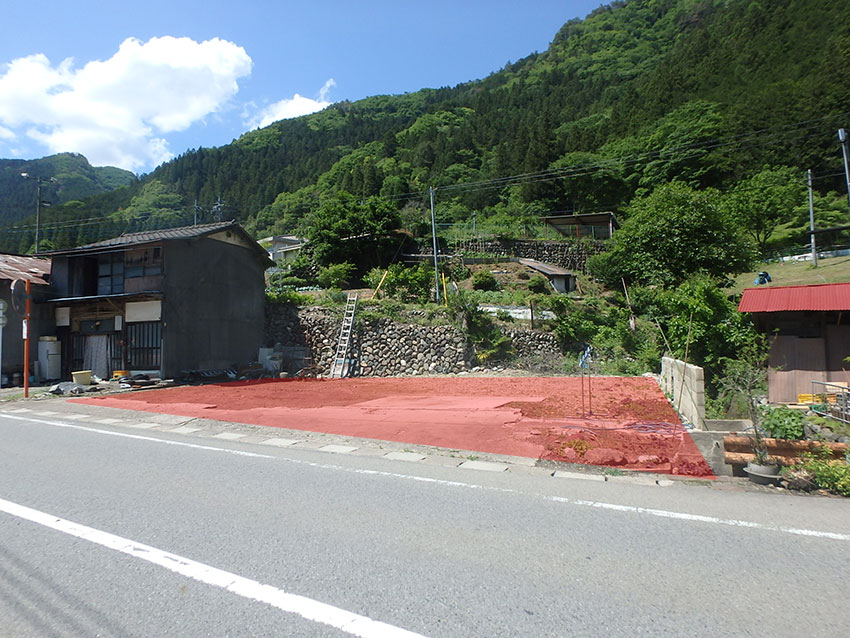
(571,255)
(384,348)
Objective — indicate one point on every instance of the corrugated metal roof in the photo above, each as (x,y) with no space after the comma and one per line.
(546,269)
(818,297)
(148,236)
(35,270)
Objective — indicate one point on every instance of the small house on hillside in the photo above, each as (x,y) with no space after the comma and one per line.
(809,335)
(584,225)
(15,271)
(283,248)
(161,301)
(561,279)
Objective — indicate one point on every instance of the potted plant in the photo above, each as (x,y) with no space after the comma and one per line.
(763,469)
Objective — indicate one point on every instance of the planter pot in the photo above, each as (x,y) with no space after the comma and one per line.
(762,474)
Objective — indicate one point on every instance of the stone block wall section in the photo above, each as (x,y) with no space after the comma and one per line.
(571,255)
(384,348)
(685,383)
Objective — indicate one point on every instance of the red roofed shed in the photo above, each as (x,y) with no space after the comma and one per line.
(809,330)
(820,297)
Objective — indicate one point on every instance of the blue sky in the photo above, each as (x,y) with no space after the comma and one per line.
(133,84)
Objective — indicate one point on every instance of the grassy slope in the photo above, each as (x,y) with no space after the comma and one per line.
(789,273)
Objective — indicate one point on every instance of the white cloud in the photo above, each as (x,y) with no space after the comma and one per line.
(116,111)
(6,134)
(291,107)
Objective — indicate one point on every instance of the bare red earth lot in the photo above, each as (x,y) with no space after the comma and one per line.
(625,422)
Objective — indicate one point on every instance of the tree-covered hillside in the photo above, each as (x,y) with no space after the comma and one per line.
(65,177)
(711,93)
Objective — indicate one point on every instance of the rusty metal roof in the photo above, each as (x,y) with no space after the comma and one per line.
(33,269)
(817,297)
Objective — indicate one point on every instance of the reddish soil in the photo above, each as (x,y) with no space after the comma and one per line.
(625,422)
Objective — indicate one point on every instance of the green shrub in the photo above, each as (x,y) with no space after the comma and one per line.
(406,283)
(783,423)
(825,472)
(539,285)
(335,275)
(489,342)
(285,281)
(458,271)
(287,295)
(484,280)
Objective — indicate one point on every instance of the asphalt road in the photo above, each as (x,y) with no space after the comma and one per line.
(104,532)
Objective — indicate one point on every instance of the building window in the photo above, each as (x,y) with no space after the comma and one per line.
(144,345)
(110,274)
(143,262)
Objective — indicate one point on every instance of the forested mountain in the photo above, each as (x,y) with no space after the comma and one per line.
(709,92)
(65,177)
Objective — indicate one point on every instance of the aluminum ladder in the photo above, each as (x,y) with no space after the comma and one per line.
(339,367)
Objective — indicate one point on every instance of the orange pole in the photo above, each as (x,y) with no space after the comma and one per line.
(27,345)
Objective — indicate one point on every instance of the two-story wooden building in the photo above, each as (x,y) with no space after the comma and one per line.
(161,302)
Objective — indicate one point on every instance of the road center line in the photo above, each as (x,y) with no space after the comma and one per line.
(682,516)
(307,608)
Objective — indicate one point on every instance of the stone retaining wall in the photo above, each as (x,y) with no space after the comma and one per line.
(571,255)
(383,348)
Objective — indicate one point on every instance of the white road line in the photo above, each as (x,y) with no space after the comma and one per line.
(684,516)
(307,608)
(423,479)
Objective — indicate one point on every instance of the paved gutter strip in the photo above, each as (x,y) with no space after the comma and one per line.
(338,449)
(484,466)
(280,442)
(404,456)
(184,430)
(319,441)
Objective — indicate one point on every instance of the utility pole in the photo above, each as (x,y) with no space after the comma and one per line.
(812,218)
(842,137)
(38,183)
(434,236)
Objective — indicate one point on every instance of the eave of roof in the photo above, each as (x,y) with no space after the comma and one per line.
(119,295)
(816,297)
(32,269)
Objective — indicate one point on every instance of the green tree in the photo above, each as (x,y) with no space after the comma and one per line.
(766,200)
(672,233)
(346,229)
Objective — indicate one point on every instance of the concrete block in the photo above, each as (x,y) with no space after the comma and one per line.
(184,429)
(338,449)
(404,456)
(484,466)
(579,476)
(280,442)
